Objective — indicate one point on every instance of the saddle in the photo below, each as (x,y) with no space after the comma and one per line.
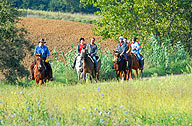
(142,58)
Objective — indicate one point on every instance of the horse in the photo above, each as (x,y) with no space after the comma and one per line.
(88,65)
(40,70)
(78,66)
(122,68)
(135,63)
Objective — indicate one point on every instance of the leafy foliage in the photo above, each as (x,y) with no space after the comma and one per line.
(12,43)
(135,18)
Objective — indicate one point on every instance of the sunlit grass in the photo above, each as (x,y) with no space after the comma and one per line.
(147,102)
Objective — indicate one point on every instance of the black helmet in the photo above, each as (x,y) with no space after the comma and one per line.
(81,39)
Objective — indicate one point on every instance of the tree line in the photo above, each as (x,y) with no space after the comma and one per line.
(162,18)
(73,6)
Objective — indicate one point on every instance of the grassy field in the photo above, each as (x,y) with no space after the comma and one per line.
(76,17)
(165,101)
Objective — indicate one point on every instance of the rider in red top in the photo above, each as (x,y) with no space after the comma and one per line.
(80,46)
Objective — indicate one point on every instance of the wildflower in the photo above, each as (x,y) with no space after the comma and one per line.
(109,113)
(83,108)
(0,121)
(1,102)
(21,92)
(125,112)
(26,102)
(38,105)
(30,110)
(90,113)
(28,107)
(102,94)
(96,109)
(152,109)
(94,115)
(131,113)
(30,117)
(101,120)
(56,108)
(100,113)
(121,106)
(171,116)
(175,96)
(180,118)
(14,114)
(98,89)
(58,123)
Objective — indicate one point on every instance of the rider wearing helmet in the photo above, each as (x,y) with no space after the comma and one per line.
(122,47)
(92,51)
(80,46)
(44,51)
(135,48)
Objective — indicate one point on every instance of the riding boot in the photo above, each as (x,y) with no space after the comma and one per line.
(74,63)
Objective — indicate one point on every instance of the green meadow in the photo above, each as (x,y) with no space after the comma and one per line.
(154,101)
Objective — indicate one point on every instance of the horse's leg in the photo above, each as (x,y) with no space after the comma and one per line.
(40,82)
(37,82)
(141,74)
(97,76)
(137,73)
(122,76)
(130,74)
(127,75)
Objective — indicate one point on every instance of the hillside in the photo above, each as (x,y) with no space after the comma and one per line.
(59,35)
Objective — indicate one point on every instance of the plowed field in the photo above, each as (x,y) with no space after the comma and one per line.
(59,34)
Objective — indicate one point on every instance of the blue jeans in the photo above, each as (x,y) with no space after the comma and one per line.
(95,61)
(140,60)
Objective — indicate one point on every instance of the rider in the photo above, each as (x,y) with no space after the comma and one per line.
(92,51)
(122,48)
(80,46)
(135,48)
(128,44)
(44,51)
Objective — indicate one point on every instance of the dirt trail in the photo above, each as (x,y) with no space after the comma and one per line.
(59,34)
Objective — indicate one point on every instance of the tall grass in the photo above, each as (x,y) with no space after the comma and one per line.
(148,102)
(76,17)
(166,58)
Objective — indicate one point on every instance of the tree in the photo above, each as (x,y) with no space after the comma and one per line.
(141,18)
(13,45)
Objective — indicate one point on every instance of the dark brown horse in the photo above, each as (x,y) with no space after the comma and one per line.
(135,64)
(88,66)
(40,71)
(122,67)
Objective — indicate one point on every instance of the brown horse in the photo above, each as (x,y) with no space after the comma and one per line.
(120,66)
(88,66)
(40,71)
(135,63)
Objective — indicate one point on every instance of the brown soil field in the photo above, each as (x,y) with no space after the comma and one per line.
(59,35)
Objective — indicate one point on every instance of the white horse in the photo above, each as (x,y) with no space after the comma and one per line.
(78,67)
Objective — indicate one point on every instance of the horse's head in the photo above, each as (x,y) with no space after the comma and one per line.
(83,53)
(116,56)
(39,62)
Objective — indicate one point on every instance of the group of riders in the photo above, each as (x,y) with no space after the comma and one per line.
(123,47)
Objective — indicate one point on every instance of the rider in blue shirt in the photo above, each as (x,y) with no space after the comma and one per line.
(44,51)
(135,48)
